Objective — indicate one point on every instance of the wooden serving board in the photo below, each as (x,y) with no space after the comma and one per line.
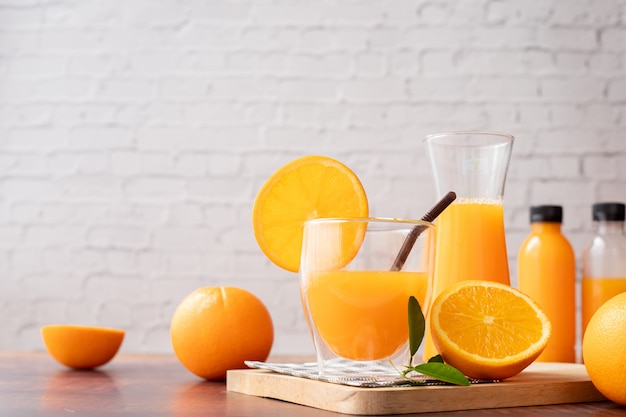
(539,384)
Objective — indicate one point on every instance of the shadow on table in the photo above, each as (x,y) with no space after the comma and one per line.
(80,392)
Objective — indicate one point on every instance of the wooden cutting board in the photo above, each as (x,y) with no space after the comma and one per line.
(539,384)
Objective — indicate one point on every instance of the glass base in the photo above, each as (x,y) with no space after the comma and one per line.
(331,365)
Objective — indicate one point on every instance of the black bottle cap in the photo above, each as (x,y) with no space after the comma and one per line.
(608,212)
(549,214)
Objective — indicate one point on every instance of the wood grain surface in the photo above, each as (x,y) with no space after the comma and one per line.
(32,384)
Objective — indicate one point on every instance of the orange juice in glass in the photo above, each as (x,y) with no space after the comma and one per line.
(356,306)
(470,239)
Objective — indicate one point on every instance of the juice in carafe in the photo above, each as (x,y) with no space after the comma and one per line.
(471,244)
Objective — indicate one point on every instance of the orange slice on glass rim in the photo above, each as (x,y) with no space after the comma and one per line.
(307,188)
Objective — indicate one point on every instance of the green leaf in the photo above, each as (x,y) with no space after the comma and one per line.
(417,325)
(435,368)
(436,358)
(442,372)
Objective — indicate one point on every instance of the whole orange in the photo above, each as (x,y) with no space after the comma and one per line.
(604,344)
(218,328)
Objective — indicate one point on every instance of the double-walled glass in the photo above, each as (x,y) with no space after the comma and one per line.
(356,295)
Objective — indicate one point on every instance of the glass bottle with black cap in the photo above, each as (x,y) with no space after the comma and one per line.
(604,260)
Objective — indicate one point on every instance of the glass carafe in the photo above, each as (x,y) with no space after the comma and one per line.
(470,232)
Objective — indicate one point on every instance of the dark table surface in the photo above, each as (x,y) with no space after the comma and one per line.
(33,384)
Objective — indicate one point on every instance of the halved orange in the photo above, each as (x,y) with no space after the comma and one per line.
(488,330)
(310,187)
(81,347)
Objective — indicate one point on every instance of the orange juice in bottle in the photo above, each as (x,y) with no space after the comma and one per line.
(604,261)
(547,273)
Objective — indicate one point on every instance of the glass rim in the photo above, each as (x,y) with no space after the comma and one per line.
(382,220)
(506,137)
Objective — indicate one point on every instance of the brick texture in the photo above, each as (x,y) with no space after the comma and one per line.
(135,134)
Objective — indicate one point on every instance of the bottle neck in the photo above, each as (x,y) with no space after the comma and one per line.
(545,227)
(609,228)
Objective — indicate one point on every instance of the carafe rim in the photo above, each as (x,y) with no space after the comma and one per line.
(493,135)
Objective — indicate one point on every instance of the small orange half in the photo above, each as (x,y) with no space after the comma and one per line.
(81,347)
(307,188)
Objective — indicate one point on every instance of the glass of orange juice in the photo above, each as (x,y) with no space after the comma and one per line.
(356,297)
(470,232)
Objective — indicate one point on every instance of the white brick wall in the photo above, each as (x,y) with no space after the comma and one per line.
(134,135)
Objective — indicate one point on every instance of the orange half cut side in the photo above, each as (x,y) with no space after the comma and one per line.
(488,330)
